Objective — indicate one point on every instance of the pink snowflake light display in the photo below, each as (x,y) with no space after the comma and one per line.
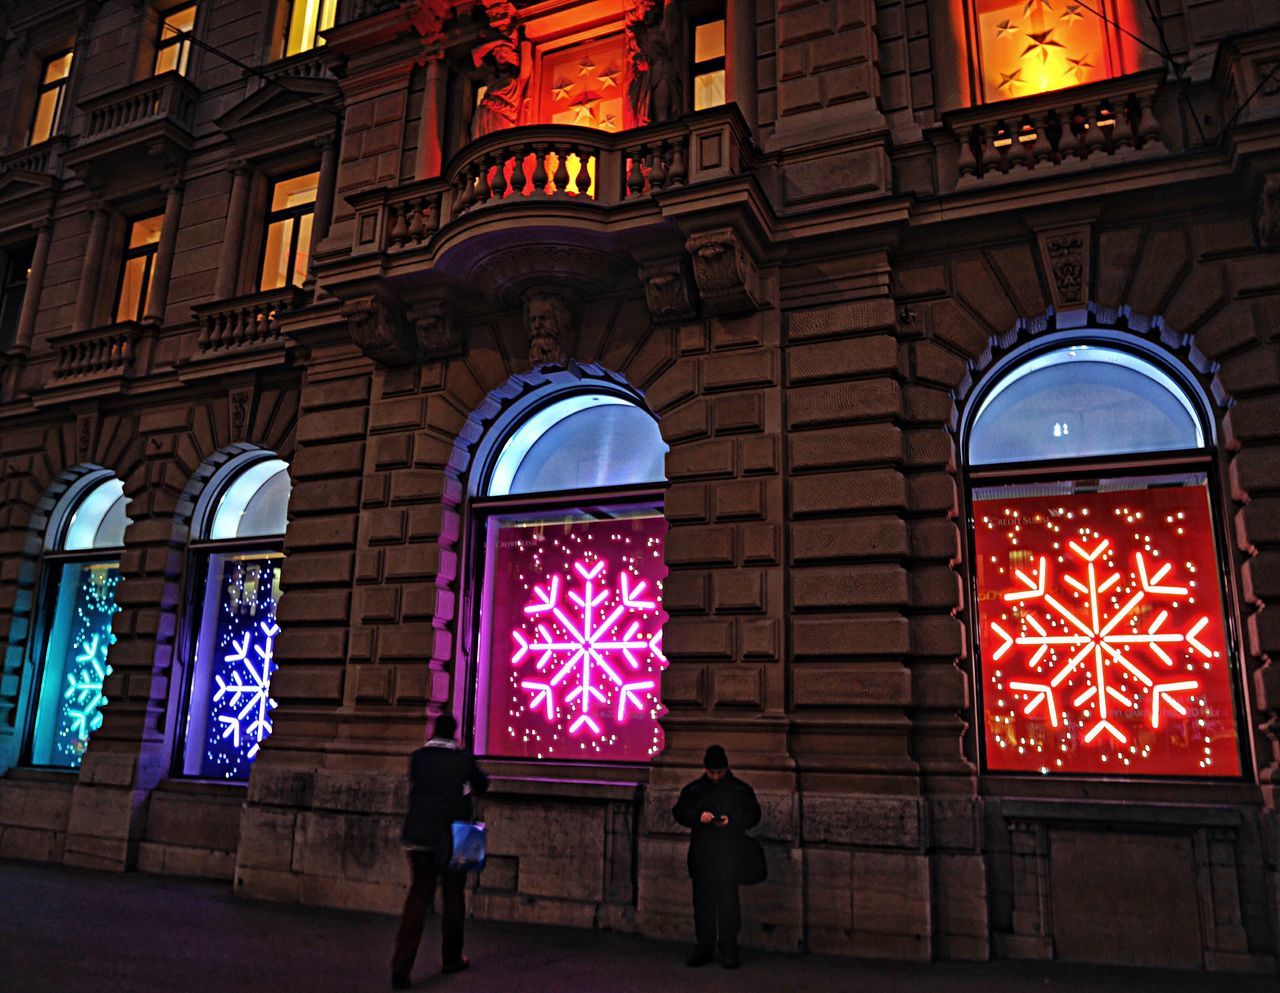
(1103,635)
(576,641)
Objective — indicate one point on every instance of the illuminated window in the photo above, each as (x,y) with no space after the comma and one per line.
(582,84)
(571,531)
(708,64)
(1033,46)
(1101,621)
(80,570)
(17,270)
(307,18)
(173,46)
(135,269)
(287,241)
(49,97)
(240,528)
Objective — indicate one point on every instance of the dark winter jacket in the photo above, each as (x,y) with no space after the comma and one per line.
(437,774)
(717,851)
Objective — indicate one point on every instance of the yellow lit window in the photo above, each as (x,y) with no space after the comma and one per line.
(307,18)
(708,64)
(173,47)
(53,84)
(135,272)
(287,241)
(1034,46)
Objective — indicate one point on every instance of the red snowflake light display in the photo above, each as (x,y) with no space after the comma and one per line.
(576,641)
(1102,632)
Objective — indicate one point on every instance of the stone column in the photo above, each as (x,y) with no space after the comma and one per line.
(159,292)
(35,285)
(431,125)
(233,236)
(740,57)
(91,271)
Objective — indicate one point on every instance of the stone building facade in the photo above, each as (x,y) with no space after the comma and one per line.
(814,239)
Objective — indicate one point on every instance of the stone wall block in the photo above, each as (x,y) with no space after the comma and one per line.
(837,403)
(698,638)
(865,489)
(272,786)
(850,637)
(859,537)
(850,318)
(849,586)
(960,915)
(842,359)
(835,448)
(736,686)
(700,546)
(561,846)
(892,906)
(872,822)
(701,460)
(864,685)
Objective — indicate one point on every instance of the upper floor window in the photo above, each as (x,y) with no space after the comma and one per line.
(17,270)
(1034,46)
(80,572)
(49,97)
(306,19)
(570,532)
(286,243)
(707,64)
(173,46)
(1100,606)
(135,270)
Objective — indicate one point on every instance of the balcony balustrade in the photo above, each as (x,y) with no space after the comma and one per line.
(99,353)
(41,160)
(245,322)
(155,115)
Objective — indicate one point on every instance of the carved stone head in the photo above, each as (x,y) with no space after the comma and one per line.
(550,323)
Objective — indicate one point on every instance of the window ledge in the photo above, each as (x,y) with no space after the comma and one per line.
(203,787)
(545,788)
(1115,813)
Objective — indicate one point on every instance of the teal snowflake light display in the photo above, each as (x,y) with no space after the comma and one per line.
(84,687)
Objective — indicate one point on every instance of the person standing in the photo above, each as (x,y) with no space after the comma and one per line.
(719,809)
(442,779)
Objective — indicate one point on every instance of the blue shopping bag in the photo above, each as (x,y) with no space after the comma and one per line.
(468,852)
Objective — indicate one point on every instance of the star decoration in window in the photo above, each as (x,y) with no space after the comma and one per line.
(584,107)
(1041,43)
(1041,5)
(586,67)
(562,90)
(1079,67)
(1005,28)
(609,122)
(608,78)
(1010,80)
(1071,14)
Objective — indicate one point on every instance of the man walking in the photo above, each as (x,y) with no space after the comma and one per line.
(719,809)
(442,779)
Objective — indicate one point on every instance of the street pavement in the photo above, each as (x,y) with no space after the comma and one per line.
(73,931)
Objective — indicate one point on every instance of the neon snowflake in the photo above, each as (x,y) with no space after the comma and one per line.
(84,687)
(246,691)
(584,618)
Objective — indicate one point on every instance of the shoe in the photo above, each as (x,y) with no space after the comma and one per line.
(699,956)
(730,960)
(400,982)
(452,967)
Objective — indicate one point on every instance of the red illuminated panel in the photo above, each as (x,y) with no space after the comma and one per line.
(575,657)
(1103,644)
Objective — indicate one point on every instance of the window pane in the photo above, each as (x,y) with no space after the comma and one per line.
(58,68)
(1081,401)
(708,41)
(295,192)
(12,293)
(71,697)
(178,22)
(708,90)
(133,289)
(46,107)
(256,503)
(145,231)
(1102,630)
(303,254)
(583,441)
(302,26)
(166,59)
(231,705)
(275,260)
(572,633)
(1032,47)
(99,519)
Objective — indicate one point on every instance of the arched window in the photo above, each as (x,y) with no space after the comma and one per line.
(238,535)
(568,524)
(1103,640)
(81,569)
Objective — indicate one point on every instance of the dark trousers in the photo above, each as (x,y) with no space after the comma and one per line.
(418,903)
(716,912)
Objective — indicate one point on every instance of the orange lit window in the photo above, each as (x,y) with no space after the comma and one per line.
(173,47)
(1034,46)
(287,243)
(53,83)
(135,273)
(708,64)
(583,84)
(307,18)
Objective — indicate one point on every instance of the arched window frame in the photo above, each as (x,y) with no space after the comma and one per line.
(206,551)
(54,602)
(472,668)
(1203,460)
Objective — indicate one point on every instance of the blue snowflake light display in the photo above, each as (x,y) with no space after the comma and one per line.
(237,664)
(71,696)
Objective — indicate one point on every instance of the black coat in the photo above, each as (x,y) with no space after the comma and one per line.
(717,851)
(436,778)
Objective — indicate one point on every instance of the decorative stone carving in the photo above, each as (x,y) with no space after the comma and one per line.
(725,271)
(239,407)
(550,322)
(437,335)
(377,329)
(506,61)
(86,431)
(667,291)
(1064,253)
(1269,213)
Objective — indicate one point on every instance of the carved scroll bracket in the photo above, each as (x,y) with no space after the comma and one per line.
(725,270)
(1064,255)
(668,290)
(435,329)
(377,328)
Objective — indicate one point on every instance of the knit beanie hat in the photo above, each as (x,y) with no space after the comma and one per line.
(715,758)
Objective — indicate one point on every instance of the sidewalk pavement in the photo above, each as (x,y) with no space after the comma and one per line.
(73,931)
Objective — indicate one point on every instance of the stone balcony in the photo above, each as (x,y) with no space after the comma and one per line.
(96,362)
(29,178)
(152,119)
(242,332)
